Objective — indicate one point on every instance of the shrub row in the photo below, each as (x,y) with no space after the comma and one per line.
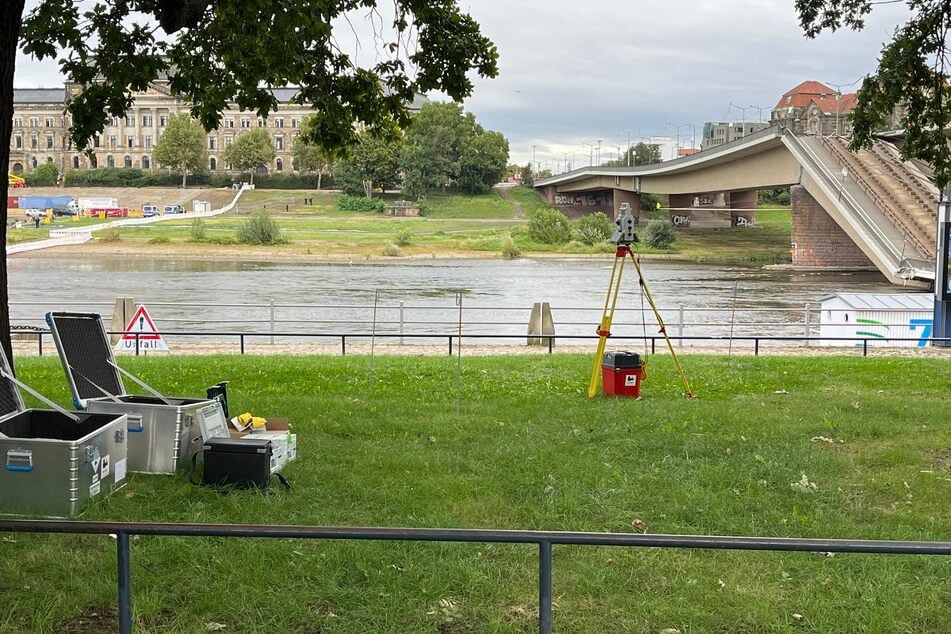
(551,226)
(134,177)
(359,203)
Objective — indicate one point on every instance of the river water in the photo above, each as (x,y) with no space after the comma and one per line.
(497,295)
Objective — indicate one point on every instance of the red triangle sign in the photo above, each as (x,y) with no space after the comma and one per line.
(141,326)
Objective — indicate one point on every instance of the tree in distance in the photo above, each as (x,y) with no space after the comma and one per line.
(445,146)
(639,154)
(216,53)
(373,163)
(911,79)
(182,146)
(44,176)
(310,156)
(251,151)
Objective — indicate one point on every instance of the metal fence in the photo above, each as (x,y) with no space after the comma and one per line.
(545,540)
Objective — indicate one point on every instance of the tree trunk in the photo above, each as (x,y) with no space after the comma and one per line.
(184,176)
(320,174)
(11,16)
(252,175)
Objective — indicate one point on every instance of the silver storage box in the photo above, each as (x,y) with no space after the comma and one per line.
(163,432)
(53,462)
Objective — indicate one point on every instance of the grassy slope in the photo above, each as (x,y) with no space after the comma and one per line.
(454,224)
(530,451)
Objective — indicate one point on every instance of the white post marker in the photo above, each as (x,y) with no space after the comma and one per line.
(141,327)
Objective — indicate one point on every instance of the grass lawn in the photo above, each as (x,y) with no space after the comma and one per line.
(529,451)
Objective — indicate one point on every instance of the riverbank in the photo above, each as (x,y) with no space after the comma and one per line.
(455,226)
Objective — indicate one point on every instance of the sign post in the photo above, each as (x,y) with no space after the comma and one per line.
(942,276)
(141,334)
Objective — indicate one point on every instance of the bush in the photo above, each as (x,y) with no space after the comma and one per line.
(594,228)
(359,203)
(44,176)
(649,202)
(392,251)
(549,226)
(404,238)
(199,230)
(110,235)
(510,250)
(659,234)
(159,240)
(260,228)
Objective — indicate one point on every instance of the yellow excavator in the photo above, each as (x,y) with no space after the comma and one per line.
(15,181)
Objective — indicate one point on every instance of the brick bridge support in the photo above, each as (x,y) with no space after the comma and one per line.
(548,193)
(625,196)
(817,241)
(743,208)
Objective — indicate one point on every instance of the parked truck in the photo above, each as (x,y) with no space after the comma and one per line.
(98,203)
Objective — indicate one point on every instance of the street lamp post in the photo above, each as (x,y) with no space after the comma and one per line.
(599,152)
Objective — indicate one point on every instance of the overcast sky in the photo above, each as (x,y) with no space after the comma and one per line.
(573,72)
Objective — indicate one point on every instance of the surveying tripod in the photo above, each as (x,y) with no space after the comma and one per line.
(623,237)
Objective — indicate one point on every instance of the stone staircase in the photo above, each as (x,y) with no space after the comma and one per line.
(900,191)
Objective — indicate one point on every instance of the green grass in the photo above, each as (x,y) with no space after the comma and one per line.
(530,451)
(456,205)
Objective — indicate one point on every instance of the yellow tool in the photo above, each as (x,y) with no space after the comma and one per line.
(624,237)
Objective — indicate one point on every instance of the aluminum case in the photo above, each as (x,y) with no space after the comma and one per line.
(163,431)
(52,465)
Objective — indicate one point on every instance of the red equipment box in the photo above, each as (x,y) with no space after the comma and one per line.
(622,373)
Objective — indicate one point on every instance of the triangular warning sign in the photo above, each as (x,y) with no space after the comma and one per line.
(141,329)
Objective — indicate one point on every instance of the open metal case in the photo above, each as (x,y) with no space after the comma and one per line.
(163,431)
(54,461)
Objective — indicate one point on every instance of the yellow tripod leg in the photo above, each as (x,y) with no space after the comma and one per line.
(607,317)
(663,327)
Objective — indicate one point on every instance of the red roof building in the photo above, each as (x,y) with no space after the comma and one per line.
(814,108)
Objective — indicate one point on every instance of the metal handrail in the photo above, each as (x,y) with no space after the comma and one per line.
(545,540)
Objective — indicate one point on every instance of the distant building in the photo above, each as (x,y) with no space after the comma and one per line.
(41,130)
(720,132)
(667,146)
(687,151)
(813,108)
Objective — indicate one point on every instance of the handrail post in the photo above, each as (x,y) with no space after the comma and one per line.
(551,343)
(343,345)
(137,344)
(544,587)
(681,311)
(123,561)
(271,302)
(450,345)
(756,347)
(864,347)
(242,343)
(401,323)
(808,321)
(39,339)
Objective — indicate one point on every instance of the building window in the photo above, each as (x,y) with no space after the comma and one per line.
(34,143)
(262,122)
(95,141)
(279,142)
(33,162)
(163,120)
(147,121)
(114,122)
(148,141)
(50,122)
(229,122)
(245,122)
(130,141)
(145,163)
(228,141)
(18,122)
(295,123)
(279,165)
(127,161)
(49,142)
(228,166)
(279,122)
(93,162)
(110,161)
(213,164)
(75,162)
(113,141)
(18,142)
(212,143)
(34,122)
(130,120)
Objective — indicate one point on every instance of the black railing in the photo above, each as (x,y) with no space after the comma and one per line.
(544,539)
(755,340)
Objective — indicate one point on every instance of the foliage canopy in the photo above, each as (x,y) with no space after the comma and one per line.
(182,146)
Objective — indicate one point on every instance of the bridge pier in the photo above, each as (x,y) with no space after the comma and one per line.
(743,208)
(625,196)
(679,206)
(817,240)
(547,192)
